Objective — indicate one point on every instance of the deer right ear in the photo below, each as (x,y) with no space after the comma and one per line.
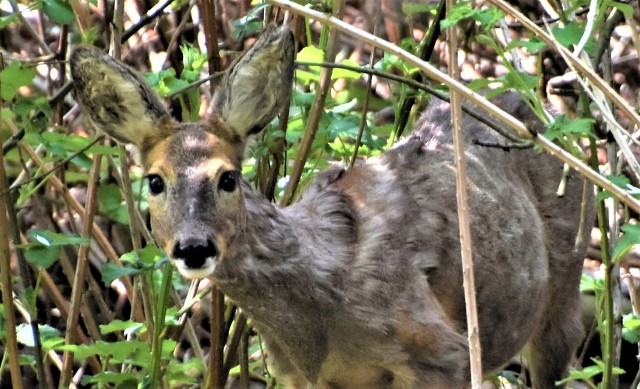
(116,100)
(258,85)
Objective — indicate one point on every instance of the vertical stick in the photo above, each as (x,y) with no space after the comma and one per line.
(316,111)
(77,293)
(463,215)
(5,270)
(7,291)
(216,354)
(208,8)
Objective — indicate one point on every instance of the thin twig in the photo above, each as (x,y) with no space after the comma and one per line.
(466,244)
(153,13)
(77,291)
(11,343)
(467,108)
(173,43)
(215,377)
(194,84)
(29,27)
(26,279)
(311,126)
(57,166)
(424,51)
(367,94)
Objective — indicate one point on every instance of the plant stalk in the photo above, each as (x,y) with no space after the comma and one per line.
(466,244)
(7,291)
(77,292)
(317,109)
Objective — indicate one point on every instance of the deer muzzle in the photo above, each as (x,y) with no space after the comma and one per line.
(195,257)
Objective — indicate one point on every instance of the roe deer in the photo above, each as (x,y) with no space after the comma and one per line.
(359,283)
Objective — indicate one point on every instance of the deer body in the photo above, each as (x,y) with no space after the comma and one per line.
(359,283)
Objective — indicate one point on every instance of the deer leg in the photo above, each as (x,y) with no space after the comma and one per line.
(553,344)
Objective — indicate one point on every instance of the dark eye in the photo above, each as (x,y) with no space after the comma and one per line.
(156,184)
(228,181)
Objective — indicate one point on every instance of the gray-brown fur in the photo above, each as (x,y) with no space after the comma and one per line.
(359,283)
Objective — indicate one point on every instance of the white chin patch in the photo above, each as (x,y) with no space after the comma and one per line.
(205,271)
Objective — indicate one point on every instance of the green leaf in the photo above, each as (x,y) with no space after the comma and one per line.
(12,78)
(193,60)
(24,106)
(630,238)
(245,27)
(167,348)
(460,11)
(118,351)
(118,325)
(310,54)
(183,372)
(50,238)
(414,8)
(480,84)
(44,247)
(111,272)
(532,46)
(7,20)
(621,182)
(631,328)
(590,284)
(24,333)
(585,374)
(151,255)
(111,203)
(346,73)
(563,126)
(626,9)
(43,256)
(58,11)
(250,24)
(27,360)
(522,79)
(112,378)
(487,17)
(571,34)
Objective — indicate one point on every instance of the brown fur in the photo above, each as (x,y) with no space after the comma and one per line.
(359,283)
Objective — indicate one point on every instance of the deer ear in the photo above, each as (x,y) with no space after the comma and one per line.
(258,85)
(115,99)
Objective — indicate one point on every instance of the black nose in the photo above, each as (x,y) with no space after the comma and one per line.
(194,252)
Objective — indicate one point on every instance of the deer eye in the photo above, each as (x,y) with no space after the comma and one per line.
(156,184)
(228,181)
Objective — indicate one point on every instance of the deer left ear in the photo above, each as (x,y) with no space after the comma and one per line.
(116,100)
(258,85)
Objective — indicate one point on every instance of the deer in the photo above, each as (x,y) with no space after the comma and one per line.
(358,284)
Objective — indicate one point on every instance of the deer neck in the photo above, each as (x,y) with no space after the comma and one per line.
(289,253)
(287,270)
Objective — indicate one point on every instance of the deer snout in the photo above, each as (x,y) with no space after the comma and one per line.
(194,252)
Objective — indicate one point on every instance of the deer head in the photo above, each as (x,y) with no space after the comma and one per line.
(195,186)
